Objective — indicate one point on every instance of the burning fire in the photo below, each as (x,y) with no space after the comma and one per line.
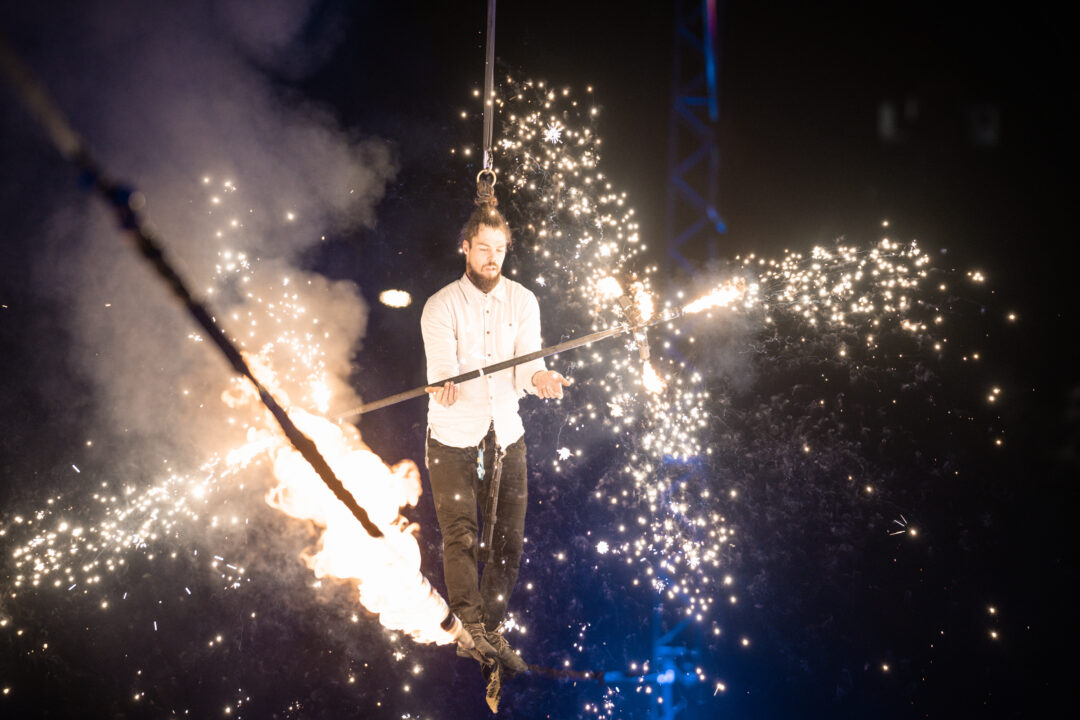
(650,380)
(643,301)
(608,288)
(722,296)
(386,570)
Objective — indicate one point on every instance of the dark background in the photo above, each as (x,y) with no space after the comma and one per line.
(803,161)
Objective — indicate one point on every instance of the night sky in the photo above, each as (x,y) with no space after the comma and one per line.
(900,531)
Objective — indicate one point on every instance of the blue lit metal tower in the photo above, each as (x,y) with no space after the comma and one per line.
(671,683)
(671,680)
(694,223)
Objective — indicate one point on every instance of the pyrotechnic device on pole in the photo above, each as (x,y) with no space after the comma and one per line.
(639,315)
(506,364)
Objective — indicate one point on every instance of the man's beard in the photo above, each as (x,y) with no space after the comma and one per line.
(483,283)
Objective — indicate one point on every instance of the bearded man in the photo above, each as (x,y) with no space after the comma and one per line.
(476,443)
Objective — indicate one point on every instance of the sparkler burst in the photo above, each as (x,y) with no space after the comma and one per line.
(584,240)
(880,312)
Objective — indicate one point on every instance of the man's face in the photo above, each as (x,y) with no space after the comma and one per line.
(484,258)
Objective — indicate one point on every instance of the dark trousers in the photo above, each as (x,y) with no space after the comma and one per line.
(458,489)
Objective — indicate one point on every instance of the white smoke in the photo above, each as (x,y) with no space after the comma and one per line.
(165,96)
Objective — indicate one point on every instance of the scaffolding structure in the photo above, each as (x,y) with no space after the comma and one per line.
(694,222)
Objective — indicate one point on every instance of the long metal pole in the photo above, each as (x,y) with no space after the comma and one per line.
(504,364)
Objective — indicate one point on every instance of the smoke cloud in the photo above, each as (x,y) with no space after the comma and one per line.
(183,100)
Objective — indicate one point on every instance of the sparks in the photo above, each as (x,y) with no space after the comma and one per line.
(553,133)
(721,297)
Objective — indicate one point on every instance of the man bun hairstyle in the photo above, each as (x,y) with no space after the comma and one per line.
(485,215)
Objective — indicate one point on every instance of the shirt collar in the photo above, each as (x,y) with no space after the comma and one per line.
(473,292)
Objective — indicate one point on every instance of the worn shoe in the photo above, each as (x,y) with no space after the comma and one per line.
(483,651)
(507,657)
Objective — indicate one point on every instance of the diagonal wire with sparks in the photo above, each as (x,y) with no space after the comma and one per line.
(125,204)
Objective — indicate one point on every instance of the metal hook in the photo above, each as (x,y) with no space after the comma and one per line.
(485,185)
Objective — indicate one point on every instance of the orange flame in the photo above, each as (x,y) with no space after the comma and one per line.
(722,296)
(644,302)
(650,380)
(386,569)
(609,288)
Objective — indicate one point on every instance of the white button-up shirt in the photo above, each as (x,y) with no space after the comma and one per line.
(465,329)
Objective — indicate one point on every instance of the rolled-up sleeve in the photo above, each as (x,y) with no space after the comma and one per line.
(440,339)
(528,340)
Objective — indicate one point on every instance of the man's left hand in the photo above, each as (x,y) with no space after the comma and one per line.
(549,384)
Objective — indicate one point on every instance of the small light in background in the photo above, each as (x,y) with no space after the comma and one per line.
(395,298)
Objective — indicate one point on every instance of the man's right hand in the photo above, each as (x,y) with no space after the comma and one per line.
(445,395)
